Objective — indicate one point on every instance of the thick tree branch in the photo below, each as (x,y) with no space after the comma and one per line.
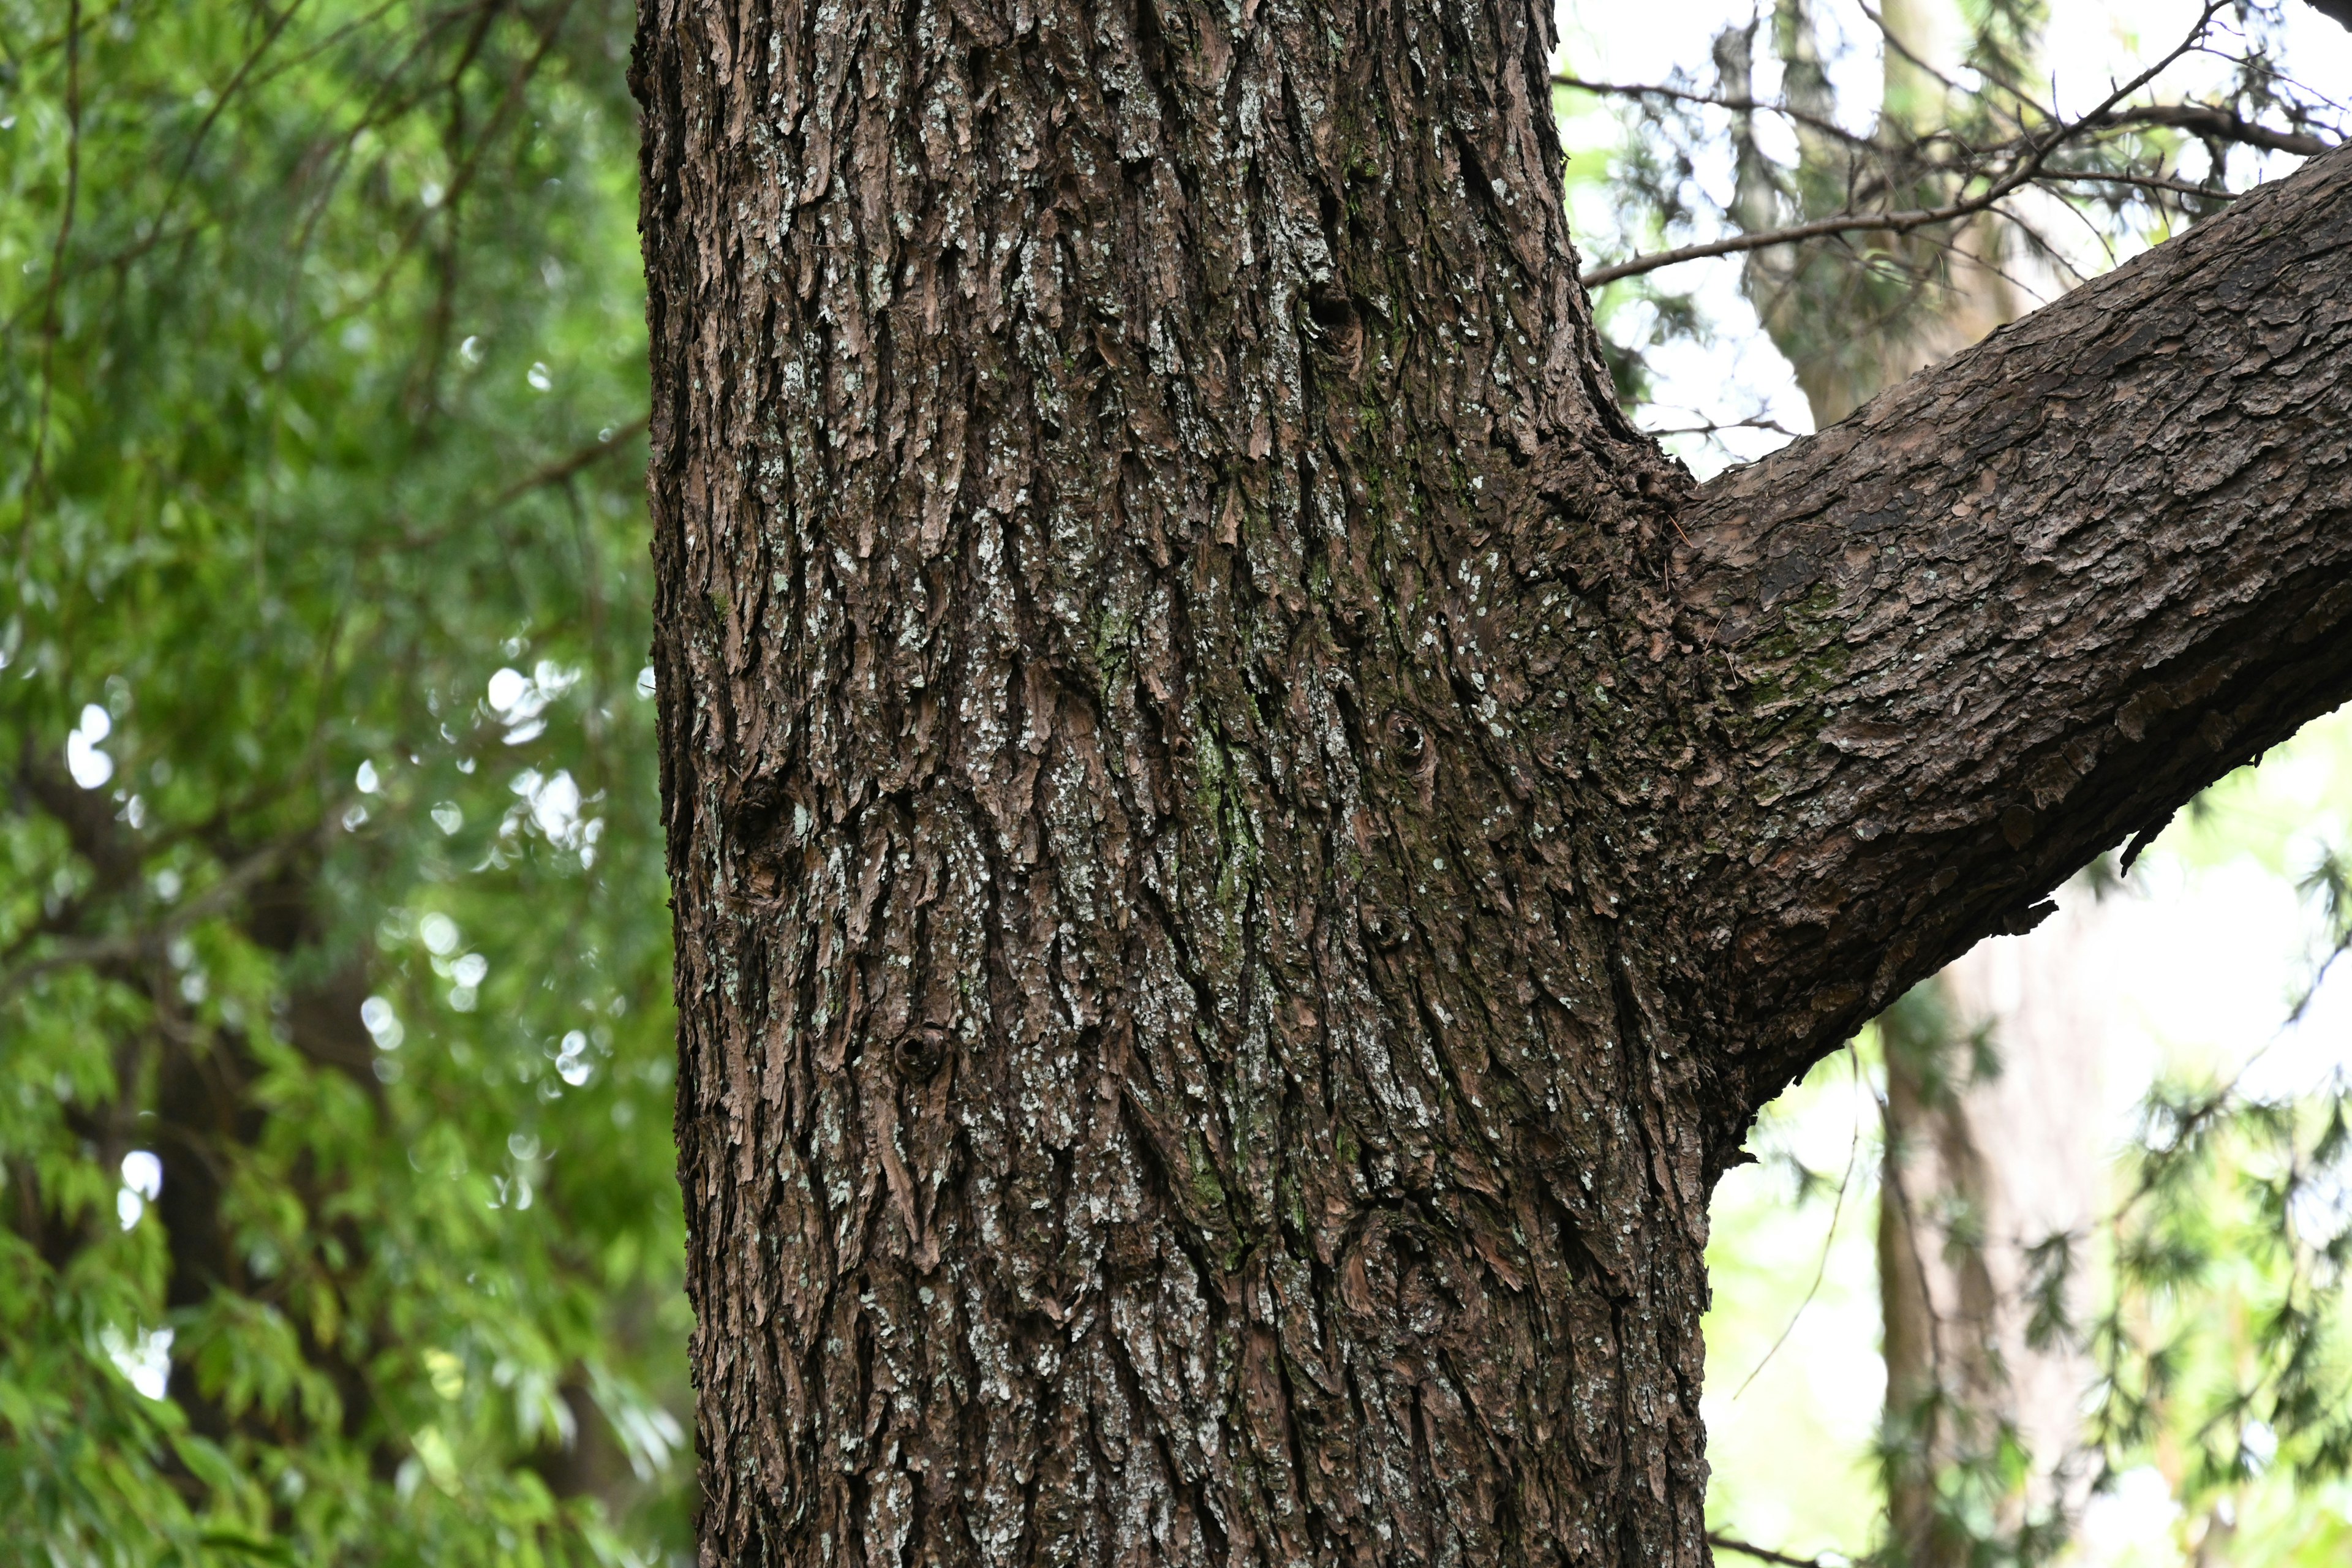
(2021,606)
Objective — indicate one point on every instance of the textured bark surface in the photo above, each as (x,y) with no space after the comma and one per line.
(2016,611)
(1242,853)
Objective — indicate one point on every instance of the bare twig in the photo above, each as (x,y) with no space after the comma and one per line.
(563,468)
(2144,181)
(1711,100)
(1740,244)
(1829,1240)
(1766,1554)
(1754,422)
(2207,120)
(2028,156)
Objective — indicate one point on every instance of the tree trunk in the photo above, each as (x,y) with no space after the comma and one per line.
(1244,850)
(1989,1191)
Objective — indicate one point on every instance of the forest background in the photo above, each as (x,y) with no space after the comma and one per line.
(337,1215)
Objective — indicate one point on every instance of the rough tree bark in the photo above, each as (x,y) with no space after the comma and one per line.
(1244,851)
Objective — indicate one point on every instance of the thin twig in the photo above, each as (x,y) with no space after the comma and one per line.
(2038,150)
(1711,100)
(1766,1554)
(1820,1267)
(563,468)
(1757,422)
(2143,182)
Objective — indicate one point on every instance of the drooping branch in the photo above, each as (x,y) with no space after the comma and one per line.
(2019,607)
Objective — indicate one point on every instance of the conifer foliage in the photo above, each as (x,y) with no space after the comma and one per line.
(336,1215)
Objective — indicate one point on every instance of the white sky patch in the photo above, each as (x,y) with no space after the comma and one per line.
(572,1061)
(142,1183)
(440,935)
(519,700)
(2132,1521)
(89,766)
(144,1358)
(384,1026)
(553,805)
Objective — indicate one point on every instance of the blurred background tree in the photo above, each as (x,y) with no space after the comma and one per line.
(1910,194)
(337,1213)
(340,1223)
(1989,1113)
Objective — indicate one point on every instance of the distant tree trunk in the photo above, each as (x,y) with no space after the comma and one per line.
(1244,851)
(1858,313)
(1990,1188)
(1992,1105)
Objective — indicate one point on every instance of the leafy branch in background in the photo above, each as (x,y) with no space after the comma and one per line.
(337,1220)
(2221,1351)
(2215,1279)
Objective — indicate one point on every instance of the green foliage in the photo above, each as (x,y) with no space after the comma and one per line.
(329,866)
(2222,1355)
(2223,1347)
(2210,1294)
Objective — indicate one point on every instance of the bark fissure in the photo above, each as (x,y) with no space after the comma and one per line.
(1243,850)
